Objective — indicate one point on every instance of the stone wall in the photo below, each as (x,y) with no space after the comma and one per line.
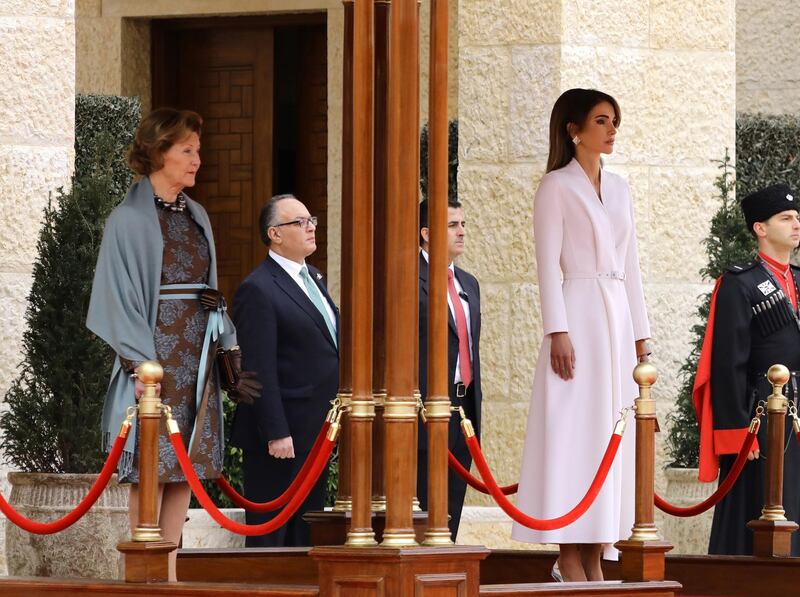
(671,66)
(767,68)
(37,124)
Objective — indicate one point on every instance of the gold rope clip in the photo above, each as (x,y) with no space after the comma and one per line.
(761,408)
(128,422)
(335,411)
(423,412)
(795,418)
(755,425)
(333,430)
(619,426)
(460,411)
(172,424)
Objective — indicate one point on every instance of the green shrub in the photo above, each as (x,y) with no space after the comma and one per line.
(452,160)
(54,405)
(767,152)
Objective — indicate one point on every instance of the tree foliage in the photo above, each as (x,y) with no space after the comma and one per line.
(54,405)
(767,152)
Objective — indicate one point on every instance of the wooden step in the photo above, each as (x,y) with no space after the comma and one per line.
(270,565)
(53,587)
(595,589)
(733,576)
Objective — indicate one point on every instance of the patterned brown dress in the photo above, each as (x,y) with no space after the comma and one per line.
(180,330)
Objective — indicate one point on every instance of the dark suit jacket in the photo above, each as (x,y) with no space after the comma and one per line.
(471,287)
(284,339)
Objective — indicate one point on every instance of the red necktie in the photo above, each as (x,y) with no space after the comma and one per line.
(464,360)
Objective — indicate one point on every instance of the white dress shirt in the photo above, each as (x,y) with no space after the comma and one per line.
(464,304)
(293,269)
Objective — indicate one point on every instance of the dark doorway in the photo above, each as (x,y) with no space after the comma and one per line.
(260,84)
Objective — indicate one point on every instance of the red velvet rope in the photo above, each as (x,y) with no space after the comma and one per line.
(723,488)
(537,523)
(48,528)
(251,530)
(281,500)
(473,481)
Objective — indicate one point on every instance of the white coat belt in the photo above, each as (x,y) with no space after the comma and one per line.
(595,275)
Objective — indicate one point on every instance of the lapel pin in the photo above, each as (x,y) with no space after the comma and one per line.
(319,276)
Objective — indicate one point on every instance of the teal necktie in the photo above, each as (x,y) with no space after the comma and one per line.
(316,298)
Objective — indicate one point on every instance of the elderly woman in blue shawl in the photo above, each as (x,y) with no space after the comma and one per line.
(154,297)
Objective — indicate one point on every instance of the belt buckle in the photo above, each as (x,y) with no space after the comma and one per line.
(461,390)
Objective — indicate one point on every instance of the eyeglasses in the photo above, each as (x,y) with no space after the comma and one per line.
(299,222)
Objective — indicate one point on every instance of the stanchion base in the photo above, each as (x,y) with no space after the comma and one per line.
(772,538)
(642,561)
(146,561)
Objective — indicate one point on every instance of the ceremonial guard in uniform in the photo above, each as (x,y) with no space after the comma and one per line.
(753,324)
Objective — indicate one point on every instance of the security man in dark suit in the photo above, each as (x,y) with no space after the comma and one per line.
(463,356)
(287,325)
(753,324)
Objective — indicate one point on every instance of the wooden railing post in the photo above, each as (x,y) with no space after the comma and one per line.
(401,229)
(146,555)
(362,410)
(643,552)
(343,490)
(380,186)
(772,532)
(437,404)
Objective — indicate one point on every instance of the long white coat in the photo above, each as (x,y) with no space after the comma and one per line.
(601,304)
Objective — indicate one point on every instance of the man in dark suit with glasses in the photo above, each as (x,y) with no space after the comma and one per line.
(287,324)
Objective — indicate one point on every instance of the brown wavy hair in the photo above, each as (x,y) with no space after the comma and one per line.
(573,106)
(157,132)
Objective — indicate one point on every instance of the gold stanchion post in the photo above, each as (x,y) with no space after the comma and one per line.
(643,552)
(772,532)
(146,554)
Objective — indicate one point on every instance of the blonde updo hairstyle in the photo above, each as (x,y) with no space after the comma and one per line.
(157,132)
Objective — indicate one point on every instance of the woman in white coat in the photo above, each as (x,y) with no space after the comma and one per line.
(595,329)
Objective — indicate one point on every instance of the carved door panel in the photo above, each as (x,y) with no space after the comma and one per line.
(227,76)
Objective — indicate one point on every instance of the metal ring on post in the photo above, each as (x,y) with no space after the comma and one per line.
(437,409)
(362,409)
(400,409)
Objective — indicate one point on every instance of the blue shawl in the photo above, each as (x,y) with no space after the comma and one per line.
(124,302)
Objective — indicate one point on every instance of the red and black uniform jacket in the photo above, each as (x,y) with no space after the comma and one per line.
(751,326)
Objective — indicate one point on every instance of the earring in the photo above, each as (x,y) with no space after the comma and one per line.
(576,139)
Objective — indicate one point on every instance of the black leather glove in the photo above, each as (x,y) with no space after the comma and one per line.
(247,389)
(241,386)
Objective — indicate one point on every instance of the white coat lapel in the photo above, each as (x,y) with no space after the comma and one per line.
(597,213)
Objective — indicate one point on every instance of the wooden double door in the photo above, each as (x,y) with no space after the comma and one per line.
(260,85)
